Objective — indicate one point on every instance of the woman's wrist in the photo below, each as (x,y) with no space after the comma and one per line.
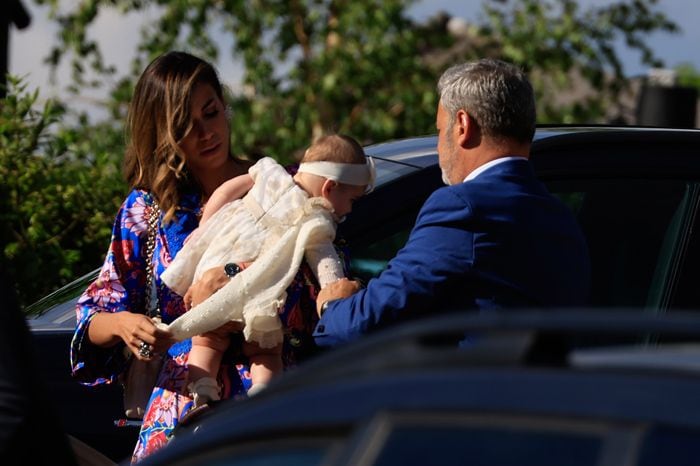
(102,329)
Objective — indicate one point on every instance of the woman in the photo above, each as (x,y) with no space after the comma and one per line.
(177,155)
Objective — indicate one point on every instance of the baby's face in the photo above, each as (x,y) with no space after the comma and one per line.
(342,196)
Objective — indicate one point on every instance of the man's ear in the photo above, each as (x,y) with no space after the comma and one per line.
(464,127)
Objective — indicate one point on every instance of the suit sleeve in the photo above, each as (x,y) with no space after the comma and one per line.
(439,247)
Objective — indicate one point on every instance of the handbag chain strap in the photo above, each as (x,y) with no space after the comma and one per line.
(151,293)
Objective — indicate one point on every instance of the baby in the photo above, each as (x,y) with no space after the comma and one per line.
(281,220)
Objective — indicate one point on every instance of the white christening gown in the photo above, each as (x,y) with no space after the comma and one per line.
(274,226)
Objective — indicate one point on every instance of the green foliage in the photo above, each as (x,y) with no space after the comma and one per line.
(58,192)
(688,76)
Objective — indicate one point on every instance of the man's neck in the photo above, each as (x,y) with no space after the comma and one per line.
(489,151)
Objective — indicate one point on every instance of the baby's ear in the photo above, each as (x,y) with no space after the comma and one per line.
(328,186)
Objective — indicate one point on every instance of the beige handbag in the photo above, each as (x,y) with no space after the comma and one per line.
(140,376)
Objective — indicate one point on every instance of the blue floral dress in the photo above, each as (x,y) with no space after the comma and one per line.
(120,287)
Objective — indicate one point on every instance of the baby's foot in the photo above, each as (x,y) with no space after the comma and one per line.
(204,390)
(257,388)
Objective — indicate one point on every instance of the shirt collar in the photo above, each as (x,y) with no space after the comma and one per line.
(492,163)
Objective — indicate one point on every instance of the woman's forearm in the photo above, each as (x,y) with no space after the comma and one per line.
(103,329)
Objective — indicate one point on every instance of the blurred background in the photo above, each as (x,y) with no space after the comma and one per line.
(296,69)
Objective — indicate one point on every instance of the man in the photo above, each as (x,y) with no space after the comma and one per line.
(494,238)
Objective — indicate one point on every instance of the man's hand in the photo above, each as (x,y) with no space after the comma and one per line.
(210,282)
(337,290)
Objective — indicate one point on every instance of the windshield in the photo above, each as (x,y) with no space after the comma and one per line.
(57,310)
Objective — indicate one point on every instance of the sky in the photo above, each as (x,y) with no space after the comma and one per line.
(119,35)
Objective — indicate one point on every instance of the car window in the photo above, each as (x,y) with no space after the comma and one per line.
(487,447)
(56,312)
(387,171)
(288,451)
(635,231)
(400,438)
(379,226)
(670,445)
(287,457)
(367,260)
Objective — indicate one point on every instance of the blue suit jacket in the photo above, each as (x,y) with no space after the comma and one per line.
(500,240)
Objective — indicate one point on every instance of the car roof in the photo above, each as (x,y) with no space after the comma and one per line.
(422,151)
(417,152)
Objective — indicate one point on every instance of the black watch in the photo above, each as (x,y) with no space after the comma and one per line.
(231,269)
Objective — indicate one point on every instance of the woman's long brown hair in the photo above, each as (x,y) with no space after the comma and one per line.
(157,121)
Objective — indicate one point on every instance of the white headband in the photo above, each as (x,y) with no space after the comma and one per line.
(356,174)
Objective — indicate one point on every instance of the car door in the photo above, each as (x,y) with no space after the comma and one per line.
(635,193)
(638,233)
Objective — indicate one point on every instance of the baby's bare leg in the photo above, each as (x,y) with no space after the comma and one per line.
(265,363)
(204,362)
(205,356)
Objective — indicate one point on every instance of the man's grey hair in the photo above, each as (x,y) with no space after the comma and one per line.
(496,95)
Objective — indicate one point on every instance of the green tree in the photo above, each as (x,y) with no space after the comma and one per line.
(57,186)
(570,53)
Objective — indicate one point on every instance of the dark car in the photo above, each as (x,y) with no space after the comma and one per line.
(412,396)
(635,192)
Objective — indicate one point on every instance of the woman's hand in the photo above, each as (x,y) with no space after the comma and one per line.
(139,332)
(336,290)
(143,336)
(210,282)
